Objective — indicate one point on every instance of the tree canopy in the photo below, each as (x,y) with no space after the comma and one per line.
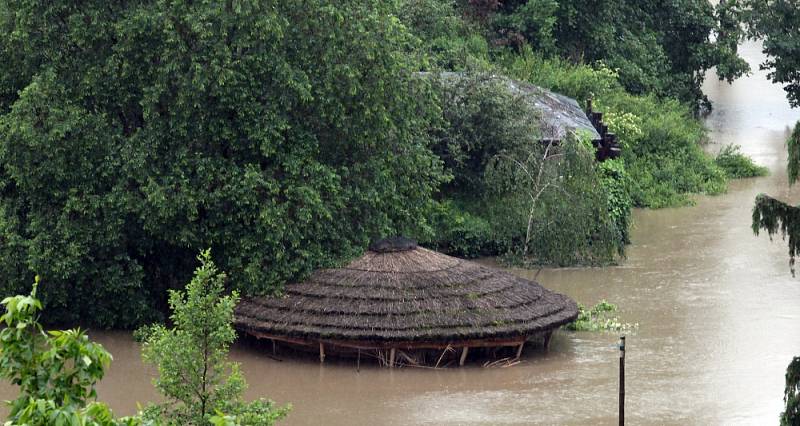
(667,52)
(284,134)
(777,24)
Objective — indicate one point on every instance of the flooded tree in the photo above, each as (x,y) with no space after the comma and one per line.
(194,376)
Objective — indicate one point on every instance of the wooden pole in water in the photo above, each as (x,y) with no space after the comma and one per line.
(391,358)
(463,356)
(622,381)
(321,353)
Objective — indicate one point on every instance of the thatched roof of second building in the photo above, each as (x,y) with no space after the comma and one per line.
(408,296)
(559,115)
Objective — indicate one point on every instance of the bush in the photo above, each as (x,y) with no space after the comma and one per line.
(599,317)
(448,40)
(464,234)
(616,184)
(661,140)
(56,371)
(737,165)
(488,142)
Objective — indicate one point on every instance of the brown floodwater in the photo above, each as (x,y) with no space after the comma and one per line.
(717,308)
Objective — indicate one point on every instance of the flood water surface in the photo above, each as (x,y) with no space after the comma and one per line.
(717,308)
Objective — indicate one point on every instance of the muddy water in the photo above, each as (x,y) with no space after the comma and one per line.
(718,314)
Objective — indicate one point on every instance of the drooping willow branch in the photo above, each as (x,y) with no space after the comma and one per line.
(791,396)
(775,216)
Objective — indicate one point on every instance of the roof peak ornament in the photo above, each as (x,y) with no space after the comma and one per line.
(392,245)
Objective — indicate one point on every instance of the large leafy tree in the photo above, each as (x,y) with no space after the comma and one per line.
(284,134)
(667,51)
(777,23)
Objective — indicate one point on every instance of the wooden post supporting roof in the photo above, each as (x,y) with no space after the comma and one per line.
(321,353)
(547,338)
(463,356)
(391,358)
(519,350)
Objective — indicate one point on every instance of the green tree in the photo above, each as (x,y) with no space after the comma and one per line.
(194,375)
(56,371)
(510,190)
(667,52)
(777,24)
(284,134)
(447,39)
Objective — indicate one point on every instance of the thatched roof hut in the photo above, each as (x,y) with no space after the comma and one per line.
(559,116)
(401,296)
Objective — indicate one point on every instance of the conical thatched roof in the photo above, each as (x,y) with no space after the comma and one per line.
(395,295)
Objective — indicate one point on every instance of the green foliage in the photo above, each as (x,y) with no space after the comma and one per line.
(793,145)
(599,318)
(616,184)
(667,52)
(56,371)
(511,194)
(576,81)
(661,140)
(464,234)
(480,119)
(448,40)
(533,22)
(193,373)
(777,24)
(737,165)
(284,134)
(555,195)
(775,216)
(791,396)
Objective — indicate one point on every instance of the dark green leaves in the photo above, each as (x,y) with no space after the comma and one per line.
(777,23)
(283,134)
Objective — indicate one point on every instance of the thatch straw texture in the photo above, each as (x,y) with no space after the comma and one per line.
(411,296)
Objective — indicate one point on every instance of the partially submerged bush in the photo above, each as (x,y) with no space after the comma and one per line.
(737,165)
(194,375)
(599,317)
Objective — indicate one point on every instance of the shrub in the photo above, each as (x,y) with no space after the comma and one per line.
(737,165)
(661,140)
(462,233)
(598,318)
(193,373)
(56,371)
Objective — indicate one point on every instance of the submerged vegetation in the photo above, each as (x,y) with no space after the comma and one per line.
(599,317)
(737,165)
(199,384)
(57,371)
